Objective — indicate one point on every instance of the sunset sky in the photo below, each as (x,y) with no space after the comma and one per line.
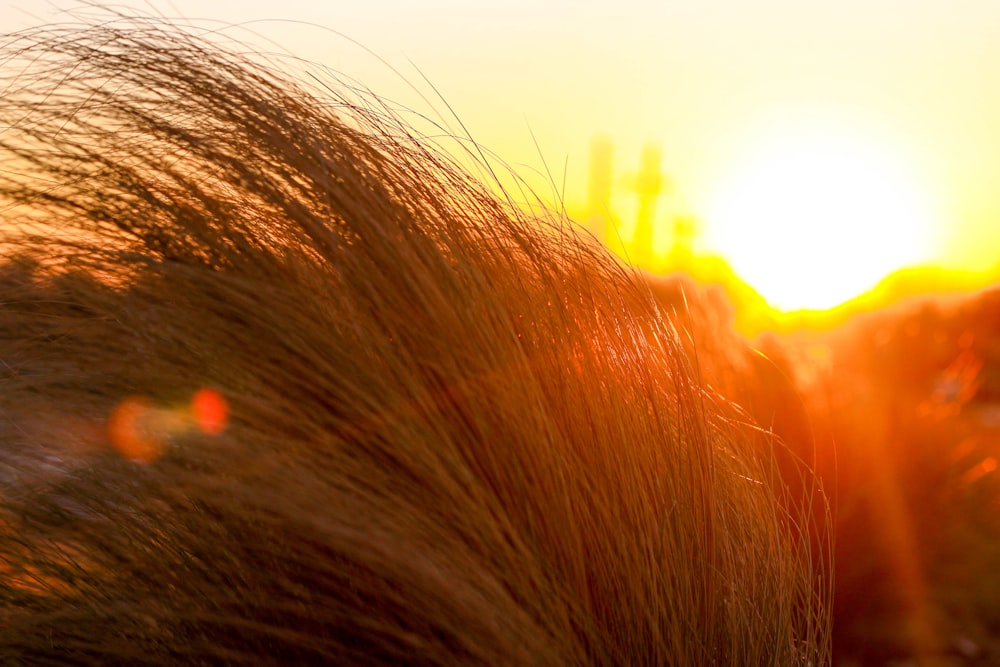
(887,111)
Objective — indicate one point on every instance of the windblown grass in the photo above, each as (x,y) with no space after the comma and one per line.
(459,434)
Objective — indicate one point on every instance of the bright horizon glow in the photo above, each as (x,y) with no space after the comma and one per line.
(812,219)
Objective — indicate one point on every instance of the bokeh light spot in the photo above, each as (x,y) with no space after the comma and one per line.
(211,411)
(130,431)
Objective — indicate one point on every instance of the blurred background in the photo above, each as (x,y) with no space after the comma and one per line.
(815,146)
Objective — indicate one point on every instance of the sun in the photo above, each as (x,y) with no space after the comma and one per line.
(813,219)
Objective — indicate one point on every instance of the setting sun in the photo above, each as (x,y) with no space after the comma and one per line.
(811,220)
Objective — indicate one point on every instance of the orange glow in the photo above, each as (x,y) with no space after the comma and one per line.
(980,470)
(131,430)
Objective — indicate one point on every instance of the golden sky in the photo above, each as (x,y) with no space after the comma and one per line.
(721,86)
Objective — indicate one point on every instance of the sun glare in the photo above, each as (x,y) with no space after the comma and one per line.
(813,220)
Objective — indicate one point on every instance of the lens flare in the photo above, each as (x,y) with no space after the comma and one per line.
(210,410)
(132,430)
(141,431)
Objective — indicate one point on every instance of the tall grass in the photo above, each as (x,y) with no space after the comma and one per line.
(459,434)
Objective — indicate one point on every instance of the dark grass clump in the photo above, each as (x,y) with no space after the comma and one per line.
(457,435)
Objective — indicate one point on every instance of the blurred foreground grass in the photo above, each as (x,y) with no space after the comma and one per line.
(897,408)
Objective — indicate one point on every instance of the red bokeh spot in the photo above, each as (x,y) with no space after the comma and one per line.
(211,411)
